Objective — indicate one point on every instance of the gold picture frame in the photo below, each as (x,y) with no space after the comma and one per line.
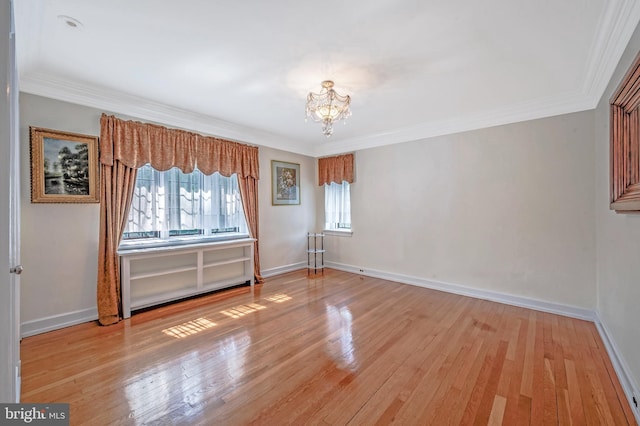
(64,167)
(285,183)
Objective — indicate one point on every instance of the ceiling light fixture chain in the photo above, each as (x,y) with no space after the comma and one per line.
(327,107)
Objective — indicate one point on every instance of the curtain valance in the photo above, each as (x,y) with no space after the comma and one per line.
(335,169)
(135,144)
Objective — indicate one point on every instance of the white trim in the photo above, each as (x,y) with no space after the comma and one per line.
(338,232)
(629,386)
(193,246)
(494,296)
(103,98)
(141,108)
(56,87)
(55,322)
(563,103)
(617,23)
(283,269)
(152,243)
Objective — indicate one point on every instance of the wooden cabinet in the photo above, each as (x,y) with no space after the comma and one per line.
(152,276)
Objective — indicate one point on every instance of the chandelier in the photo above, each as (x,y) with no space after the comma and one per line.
(327,106)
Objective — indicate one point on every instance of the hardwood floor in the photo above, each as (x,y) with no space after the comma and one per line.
(339,349)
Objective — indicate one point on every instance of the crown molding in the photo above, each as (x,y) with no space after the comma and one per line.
(525,111)
(138,107)
(145,109)
(615,28)
(617,24)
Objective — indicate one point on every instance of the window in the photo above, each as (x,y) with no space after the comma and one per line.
(337,206)
(174,206)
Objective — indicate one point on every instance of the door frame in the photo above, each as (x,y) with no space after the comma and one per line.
(10,204)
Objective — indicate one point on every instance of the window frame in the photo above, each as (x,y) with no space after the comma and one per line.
(167,237)
(338,230)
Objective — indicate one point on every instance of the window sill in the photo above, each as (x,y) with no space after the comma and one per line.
(338,232)
(155,243)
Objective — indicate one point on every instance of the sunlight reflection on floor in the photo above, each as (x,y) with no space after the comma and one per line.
(242,310)
(188,328)
(279,298)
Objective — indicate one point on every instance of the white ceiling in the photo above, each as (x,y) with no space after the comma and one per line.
(241,69)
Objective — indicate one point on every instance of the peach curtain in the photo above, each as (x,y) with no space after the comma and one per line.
(118,184)
(126,146)
(249,193)
(335,169)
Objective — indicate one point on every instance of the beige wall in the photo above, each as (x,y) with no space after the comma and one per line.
(60,241)
(507,209)
(503,209)
(283,229)
(618,242)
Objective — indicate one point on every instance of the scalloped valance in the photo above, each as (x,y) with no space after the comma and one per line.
(335,169)
(135,144)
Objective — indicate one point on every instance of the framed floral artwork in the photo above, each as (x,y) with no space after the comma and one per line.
(285,183)
(64,167)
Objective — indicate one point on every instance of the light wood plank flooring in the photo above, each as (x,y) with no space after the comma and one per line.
(339,349)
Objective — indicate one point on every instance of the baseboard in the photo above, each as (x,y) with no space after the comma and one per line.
(494,296)
(283,269)
(629,386)
(55,322)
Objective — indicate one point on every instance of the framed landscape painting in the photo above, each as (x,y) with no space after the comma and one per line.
(64,167)
(285,183)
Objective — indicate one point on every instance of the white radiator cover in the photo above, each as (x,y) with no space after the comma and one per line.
(157,275)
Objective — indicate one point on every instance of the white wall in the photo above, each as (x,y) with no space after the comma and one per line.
(283,229)
(60,241)
(618,243)
(507,209)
